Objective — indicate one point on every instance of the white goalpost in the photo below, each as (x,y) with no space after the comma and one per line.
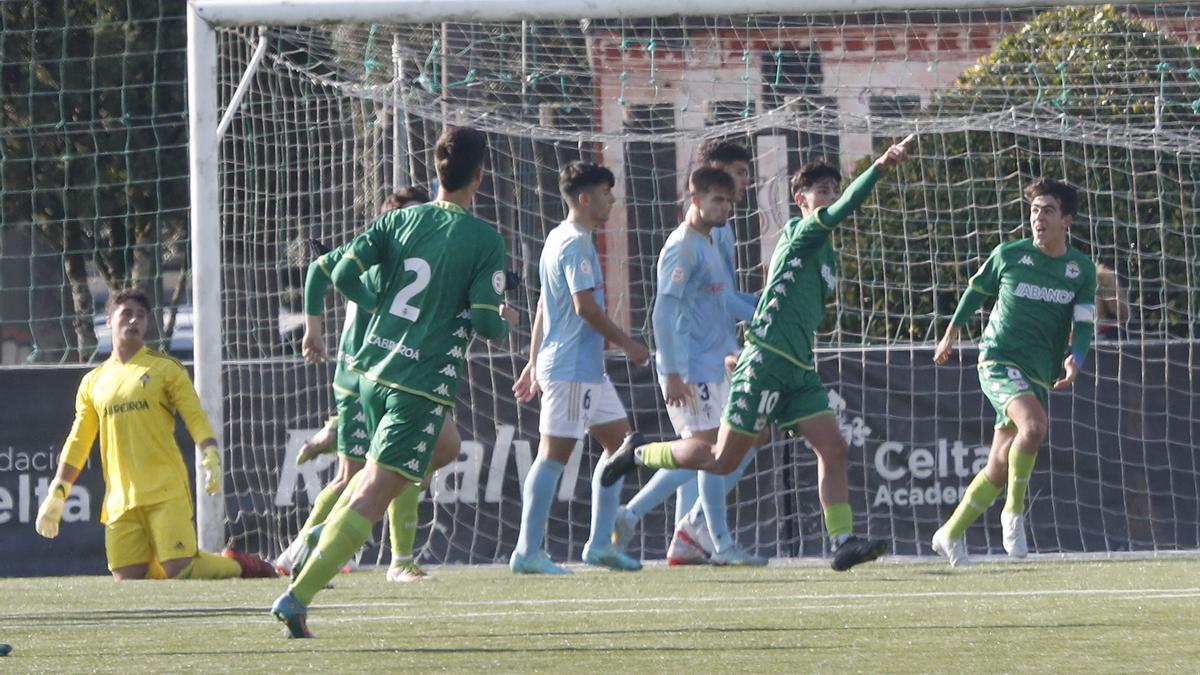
(305,114)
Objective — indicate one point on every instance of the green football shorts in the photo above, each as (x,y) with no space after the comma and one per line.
(353,436)
(768,389)
(1001,383)
(406,428)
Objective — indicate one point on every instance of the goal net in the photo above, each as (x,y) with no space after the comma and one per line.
(335,116)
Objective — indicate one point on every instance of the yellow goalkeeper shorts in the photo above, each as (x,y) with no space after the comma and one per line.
(163,531)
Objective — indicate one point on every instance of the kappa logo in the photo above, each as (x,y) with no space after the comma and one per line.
(442,389)
(1072,269)
(428,429)
(460,333)
(736,419)
(795,262)
(827,275)
(422,447)
(359,433)
(1026,260)
(448,371)
(412,465)
(455,352)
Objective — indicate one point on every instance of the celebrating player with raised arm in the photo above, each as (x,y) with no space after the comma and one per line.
(566,363)
(1045,294)
(776,380)
(131,400)
(435,260)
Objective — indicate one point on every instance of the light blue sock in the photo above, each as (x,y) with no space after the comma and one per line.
(657,489)
(732,479)
(605,502)
(699,517)
(712,500)
(687,496)
(537,496)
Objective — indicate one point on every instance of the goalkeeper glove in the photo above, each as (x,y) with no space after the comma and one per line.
(212,469)
(50,512)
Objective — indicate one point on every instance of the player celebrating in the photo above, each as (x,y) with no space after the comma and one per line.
(776,379)
(566,363)
(687,546)
(695,315)
(1045,296)
(435,259)
(131,400)
(347,430)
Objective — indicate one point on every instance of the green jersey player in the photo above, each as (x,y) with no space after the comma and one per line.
(434,260)
(775,381)
(1045,294)
(347,431)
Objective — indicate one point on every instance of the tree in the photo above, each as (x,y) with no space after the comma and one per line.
(1092,95)
(97,169)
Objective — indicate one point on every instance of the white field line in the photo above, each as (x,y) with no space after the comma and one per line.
(1136,593)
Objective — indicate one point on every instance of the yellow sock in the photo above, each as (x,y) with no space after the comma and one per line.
(207,565)
(656,456)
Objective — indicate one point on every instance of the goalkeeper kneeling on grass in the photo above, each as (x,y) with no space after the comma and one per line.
(131,400)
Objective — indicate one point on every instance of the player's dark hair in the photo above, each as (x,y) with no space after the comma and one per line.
(126,295)
(1064,192)
(723,151)
(813,172)
(459,153)
(710,178)
(579,176)
(405,196)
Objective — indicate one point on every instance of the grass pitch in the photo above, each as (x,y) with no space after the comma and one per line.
(1046,616)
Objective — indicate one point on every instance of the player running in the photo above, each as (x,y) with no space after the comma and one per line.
(776,381)
(1045,292)
(435,259)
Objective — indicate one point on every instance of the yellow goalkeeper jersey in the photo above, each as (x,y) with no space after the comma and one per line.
(132,405)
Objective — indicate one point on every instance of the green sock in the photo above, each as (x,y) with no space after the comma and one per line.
(656,456)
(839,520)
(345,532)
(344,499)
(1020,468)
(322,507)
(979,496)
(402,524)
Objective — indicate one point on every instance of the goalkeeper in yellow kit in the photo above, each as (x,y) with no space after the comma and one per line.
(131,400)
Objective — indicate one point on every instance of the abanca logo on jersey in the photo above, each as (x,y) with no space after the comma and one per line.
(1032,292)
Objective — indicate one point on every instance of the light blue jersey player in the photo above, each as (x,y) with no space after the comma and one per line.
(693,541)
(566,364)
(695,315)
